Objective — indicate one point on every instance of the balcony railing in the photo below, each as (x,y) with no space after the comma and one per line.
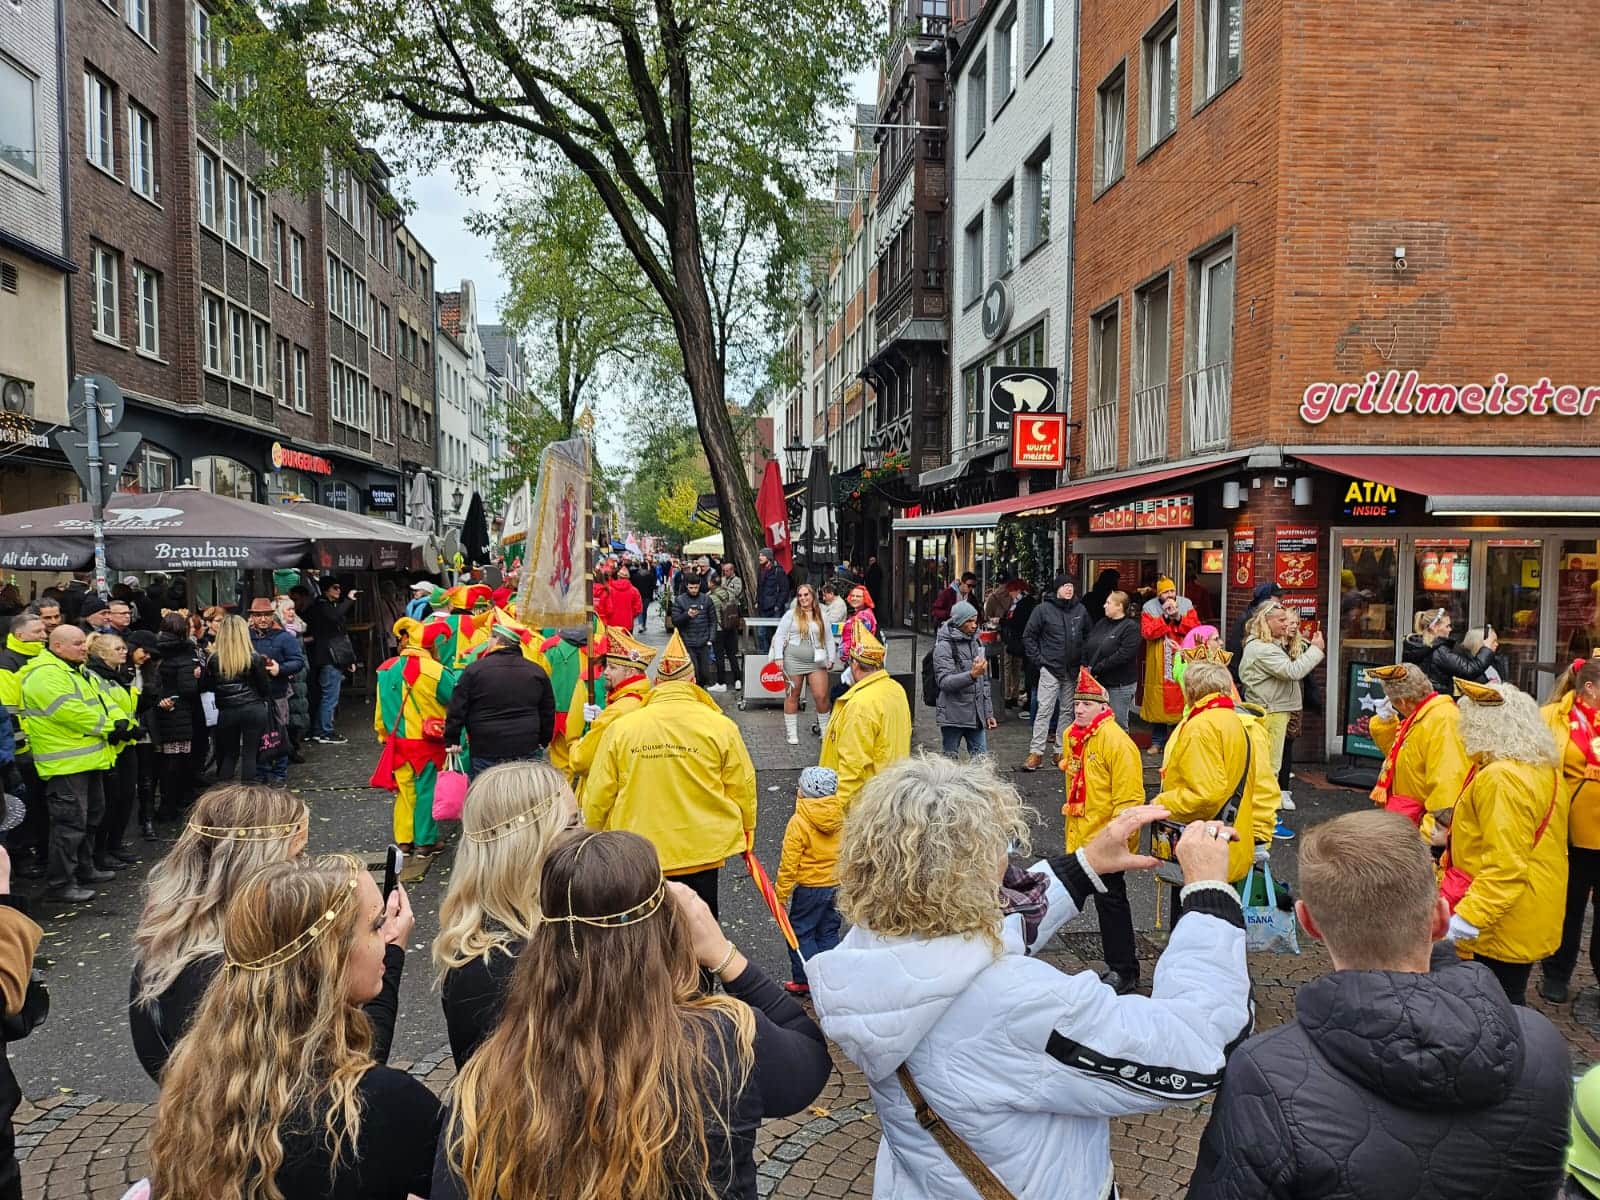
(1207,407)
(918,28)
(1147,425)
(895,437)
(1101,450)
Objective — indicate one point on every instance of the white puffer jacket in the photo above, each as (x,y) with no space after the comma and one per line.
(1024,1062)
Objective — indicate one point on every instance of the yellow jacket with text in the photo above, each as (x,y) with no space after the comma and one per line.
(1433,764)
(630,697)
(870,728)
(1518,895)
(675,771)
(1582,783)
(1114,780)
(810,846)
(1205,760)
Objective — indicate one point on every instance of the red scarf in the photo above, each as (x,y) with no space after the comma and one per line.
(1216,700)
(1380,791)
(1078,786)
(1581,723)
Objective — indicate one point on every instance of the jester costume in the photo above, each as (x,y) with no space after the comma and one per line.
(571,663)
(413,696)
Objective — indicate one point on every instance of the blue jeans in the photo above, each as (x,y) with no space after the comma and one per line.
(477,764)
(977,740)
(329,680)
(816,925)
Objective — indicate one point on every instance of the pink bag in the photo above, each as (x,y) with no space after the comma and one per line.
(449,792)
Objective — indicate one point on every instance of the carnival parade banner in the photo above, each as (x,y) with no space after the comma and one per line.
(554,591)
(514,527)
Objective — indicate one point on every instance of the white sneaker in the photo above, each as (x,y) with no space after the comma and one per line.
(717,687)
(1286,802)
(738,685)
(793,739)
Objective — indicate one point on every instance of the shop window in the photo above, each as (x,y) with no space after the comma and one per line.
(224,477)
(1442,579)
(158,470)
(1578,598)
(1514,588)
(339,496)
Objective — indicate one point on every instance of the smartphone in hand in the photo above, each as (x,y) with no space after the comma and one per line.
(393,860)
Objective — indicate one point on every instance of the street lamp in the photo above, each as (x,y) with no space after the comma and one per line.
(872,452)
(794,455)
(456,498)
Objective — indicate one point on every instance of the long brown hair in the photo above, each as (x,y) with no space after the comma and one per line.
(596,1085)
(809,621)
(268,1044)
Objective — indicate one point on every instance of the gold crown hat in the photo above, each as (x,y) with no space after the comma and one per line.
(624,650)
(675,662)
(866,649)
(1386,674)
(1479,693)
(1090,688)
(1205,653)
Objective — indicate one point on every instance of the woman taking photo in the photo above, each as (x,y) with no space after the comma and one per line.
(804,644)
(241,681)
(147,692)
(1573,715)
(1271,677)
(512,814)
(274,1092)
(610,1075)
(1112,652)
(933,995)
(1433,649)
(119,781)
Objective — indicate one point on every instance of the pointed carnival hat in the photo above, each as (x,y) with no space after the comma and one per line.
(1387,674)
(1479,693)
(867,649)
(406,630)
(1206,653)
(1090,688)
(675,662)
(433,633)
(623,650)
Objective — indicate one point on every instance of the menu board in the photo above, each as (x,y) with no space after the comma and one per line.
(1295,557)
(1361,698)
(1242,558)
(1167,512)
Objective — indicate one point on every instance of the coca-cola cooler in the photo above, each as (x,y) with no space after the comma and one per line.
(763,678)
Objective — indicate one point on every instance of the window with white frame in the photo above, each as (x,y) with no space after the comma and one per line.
(1159,91)
(1213,338)
(333,285)
(211,326)
(1152,334)
(972,262)
(237,334)
(141,152)
(258,355)
(104,299)
(280,370)
(206,166)
(1036,199)
(302,373)
(1041,26)
(1004,231)
(1218,39)
(297,265)
(1104,372)
(19,120)
(347,293)
(258,216)
(382,331)
(209,51)
(278,253)
(147,308)
(137,13)
(233,195)
(1005,57)
(99,121)
(977,98)
(1110,128)
(158,470)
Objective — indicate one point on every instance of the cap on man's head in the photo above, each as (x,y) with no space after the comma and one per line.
(140,639)
(131,580)
(92,605)
(765,552)
(422,587)
(329,581)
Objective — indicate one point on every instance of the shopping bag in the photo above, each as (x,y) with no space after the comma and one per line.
(1267,927)
(449,790)
(274,743)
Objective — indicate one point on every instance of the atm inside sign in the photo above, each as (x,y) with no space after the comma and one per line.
(1039,441)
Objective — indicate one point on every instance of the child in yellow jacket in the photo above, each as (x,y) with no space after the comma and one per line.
(808,872)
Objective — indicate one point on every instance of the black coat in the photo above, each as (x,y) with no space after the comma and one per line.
(1443,664)
(473,996)
(254,686)
(14,1026)
(772,592)
(505,704)
(176,673)
(1054,637)
(325,622)
(1015,624)
(1113,652)
(697,630)
(1429,1086)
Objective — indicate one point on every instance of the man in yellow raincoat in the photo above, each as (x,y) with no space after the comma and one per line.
(1505,869)
(1104,775)
(871,725)
(676,771)
(413,698)
(1573,715)
(1419,732)
(627,689)
(1220,757)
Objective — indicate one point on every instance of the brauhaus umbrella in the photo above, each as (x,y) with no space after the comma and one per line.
(179,530)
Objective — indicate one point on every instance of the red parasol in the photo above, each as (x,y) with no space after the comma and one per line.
(770,895)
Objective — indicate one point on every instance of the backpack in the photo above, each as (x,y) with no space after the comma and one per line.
(930,681)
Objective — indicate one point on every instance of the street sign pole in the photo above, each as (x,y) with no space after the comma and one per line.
(97,508)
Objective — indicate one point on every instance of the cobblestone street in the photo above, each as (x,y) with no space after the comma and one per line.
(81,1132)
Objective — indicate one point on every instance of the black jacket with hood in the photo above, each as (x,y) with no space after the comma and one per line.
(1054,637)
(1388,1083)
(1114,652)
(1235,643)
(1443,663)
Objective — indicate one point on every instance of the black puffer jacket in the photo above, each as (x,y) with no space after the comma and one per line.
(179,661)
(253,686)
(1054,637)
(1443,664)
(505,705)
(1114,651)
(1393,1084)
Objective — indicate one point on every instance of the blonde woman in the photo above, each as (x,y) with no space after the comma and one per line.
(804,644)
(1026,1062)
(1271,677)
(512,815)
(274,1093)
(241,680)
(107,664)
(1433,649)
(611,1076)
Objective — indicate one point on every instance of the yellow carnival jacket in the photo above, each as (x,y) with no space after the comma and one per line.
(677,772)
(1582,784)
(1433,765)
(1114,780)
(810,845)
(870,728)
(1518,895)
(1204,762)
(630,697)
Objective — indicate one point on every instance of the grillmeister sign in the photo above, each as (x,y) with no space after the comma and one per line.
(1406,394)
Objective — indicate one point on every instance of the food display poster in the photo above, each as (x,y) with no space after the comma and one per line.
(1242,567)
(1295,557)
(1304,606)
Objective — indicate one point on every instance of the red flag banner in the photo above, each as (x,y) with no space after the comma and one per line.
(770,895)
(773,512)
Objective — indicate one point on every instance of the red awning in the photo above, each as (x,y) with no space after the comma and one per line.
(1474,484)
(986,516)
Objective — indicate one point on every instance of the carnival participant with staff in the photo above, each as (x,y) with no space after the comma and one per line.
(414,689)
(871,727)
(1505,865)
(1419,732)
(1573,715)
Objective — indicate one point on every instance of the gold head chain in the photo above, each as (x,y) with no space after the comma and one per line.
(304,941)
(246,833)
(642,911)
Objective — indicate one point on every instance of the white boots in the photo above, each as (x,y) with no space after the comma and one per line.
(822,723)
(791,725)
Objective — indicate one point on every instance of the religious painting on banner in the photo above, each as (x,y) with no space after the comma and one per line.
(555,592)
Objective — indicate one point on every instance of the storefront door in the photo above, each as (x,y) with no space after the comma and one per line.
(1193,559)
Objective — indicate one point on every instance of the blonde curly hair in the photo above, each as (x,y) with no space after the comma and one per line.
(924,847)
(1514,730)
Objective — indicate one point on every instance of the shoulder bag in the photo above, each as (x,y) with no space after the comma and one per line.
(977,1173)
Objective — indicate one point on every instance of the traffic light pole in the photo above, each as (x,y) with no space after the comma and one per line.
(97,499)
